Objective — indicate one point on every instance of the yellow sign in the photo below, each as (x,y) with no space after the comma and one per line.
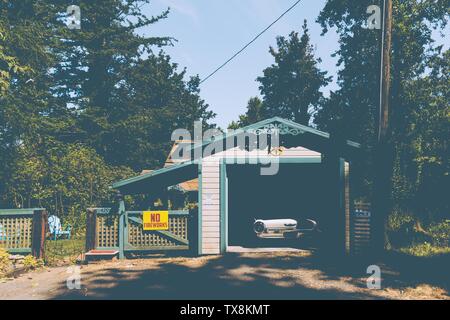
(155,220)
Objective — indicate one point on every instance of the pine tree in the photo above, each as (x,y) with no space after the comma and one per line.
(128,98)
(291,86)
(29,113)
(252,115)
(353,109)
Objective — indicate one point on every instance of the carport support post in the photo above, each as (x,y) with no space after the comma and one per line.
(335,206)
(122,223)
(91,232)
(39,227)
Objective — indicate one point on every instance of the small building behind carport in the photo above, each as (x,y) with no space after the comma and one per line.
(313,181)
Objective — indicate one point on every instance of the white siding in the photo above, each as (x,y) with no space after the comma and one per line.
(296,152)
(211,206)
(211,190)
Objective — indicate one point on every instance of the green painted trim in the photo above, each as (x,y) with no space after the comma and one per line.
(171,212)
(172,237)
(125,230)
(245,160)
(102,211)
(160,248)
(199,203)
(19,250)
(136,220)
(128,181)
(163,233)
(179,213)
(342,202)
(223,207)
(19,212)
(107,248)
(122,230)
(263,123)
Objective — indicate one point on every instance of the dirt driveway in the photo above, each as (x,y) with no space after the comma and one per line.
(233,276)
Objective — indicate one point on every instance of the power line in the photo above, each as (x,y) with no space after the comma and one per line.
(248,44)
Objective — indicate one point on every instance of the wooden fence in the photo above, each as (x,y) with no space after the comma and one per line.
(108,230)
(361,228)
(22,231)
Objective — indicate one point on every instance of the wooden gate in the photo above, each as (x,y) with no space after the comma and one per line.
(22,231)
(175,238)
(108,230)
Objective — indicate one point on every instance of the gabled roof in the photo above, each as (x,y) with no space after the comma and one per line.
(178,172)
(308,137)
(298,128)
(186,186)
(162,177)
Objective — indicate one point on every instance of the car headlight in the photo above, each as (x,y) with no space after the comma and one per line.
(259,227)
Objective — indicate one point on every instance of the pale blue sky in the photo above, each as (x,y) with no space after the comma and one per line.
(210,31)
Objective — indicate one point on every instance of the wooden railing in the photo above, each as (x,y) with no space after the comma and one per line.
(107,230)
(176,238)
(23,231)
(361,228)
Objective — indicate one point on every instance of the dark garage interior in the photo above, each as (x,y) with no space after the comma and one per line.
(294,193)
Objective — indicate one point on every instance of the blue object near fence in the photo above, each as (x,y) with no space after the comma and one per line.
(2,233)
(55,228)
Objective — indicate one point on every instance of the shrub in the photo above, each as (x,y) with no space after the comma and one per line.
(31,262)
(5,263)
(400,229)
(425,249)
(440,233)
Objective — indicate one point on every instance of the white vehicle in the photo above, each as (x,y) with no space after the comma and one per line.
(281,228)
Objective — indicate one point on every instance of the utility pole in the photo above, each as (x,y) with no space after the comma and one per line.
(384,155)
(385,80)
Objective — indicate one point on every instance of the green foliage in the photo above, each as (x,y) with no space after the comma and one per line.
(63,251)
(419,113)
(81,109)
(128,99)
(31,263)
(440,233)
(291,86)
(5,263)
(400,229)
(151,101)
(64,178)
(404,230)
(254,114)
(425,250)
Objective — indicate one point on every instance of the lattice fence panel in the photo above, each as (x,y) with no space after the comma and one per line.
(15,232)
(178,225)
(361,228)
(107,231)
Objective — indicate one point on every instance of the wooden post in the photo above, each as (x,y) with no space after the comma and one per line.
(334,219)
(164,199)
(193,232)
(38,233)
(384,151)
(122,227)
(91,229)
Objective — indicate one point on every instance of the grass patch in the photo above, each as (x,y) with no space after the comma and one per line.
(425,250)
(63,251)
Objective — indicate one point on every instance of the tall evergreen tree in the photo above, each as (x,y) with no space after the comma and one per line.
(152,100)
(123,92)
(253,114)
(353,109)
(29,113)
(291,86)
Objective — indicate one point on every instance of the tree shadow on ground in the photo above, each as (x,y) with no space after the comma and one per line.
(246,276)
